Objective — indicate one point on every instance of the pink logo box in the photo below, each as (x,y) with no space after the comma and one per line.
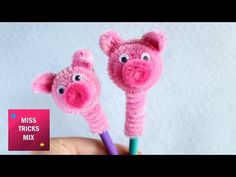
(28,129)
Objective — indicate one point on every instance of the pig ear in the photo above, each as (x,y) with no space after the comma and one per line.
(156,38)
(83,58)
(108,41)
(43,83)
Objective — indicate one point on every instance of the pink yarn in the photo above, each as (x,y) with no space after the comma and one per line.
(97,119)
(76,89)
(134,66)
(135,114)
(44,83)
(77,95)
(136,73)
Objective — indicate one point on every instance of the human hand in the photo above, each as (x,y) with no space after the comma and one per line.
(79,146)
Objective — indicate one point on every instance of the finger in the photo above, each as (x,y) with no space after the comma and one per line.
(79,146)
(58,146)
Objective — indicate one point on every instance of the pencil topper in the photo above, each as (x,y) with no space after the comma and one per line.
(134,66)
(76,89)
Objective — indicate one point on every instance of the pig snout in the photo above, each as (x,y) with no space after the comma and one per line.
(136,72)
(77,95)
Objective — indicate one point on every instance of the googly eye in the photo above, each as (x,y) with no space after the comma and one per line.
(124,58)
(146,56)
(60,89)
(76,77)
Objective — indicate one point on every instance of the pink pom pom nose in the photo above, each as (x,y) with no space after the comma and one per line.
(77,95)
(136,72)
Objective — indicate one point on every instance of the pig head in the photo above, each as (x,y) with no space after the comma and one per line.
(134,65)
(75,89)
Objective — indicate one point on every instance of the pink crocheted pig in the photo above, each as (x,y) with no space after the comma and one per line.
(134,66)
(76,89)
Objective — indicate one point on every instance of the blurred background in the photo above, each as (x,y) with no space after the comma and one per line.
(192,110)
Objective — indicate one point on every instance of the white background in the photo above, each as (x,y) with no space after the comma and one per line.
(192,110)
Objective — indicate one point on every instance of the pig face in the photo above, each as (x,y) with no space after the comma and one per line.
(134,65)
(75,89)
